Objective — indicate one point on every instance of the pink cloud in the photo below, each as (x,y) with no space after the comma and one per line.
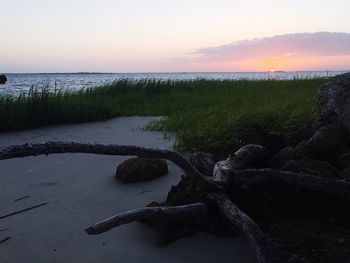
(288,45)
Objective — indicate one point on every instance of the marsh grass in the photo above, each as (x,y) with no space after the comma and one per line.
(205,114)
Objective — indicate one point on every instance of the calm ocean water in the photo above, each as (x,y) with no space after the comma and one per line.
(23,82)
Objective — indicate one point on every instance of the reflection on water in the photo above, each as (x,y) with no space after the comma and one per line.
(23,82)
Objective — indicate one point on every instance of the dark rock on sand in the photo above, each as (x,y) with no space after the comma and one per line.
(141,169)
(334,102)
(314,167)
(204,162)
(3,79)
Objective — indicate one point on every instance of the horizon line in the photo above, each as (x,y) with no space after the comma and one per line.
(170,72)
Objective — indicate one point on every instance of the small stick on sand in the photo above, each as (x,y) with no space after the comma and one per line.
(23,210)
(4,240)
(21,198)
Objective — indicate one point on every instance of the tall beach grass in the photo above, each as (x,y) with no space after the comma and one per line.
(205,114)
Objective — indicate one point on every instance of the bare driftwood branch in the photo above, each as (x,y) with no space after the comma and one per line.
(23,210)
(106,149)
(230,210)
(21,198)
(274,178)
(192,210)
(256,236)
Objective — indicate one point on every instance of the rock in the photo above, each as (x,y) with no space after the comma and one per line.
(334,102)
(302,134)
(141,169)
(314,167)
(254,133)
(325,145)
(204,162)
(3,79)
(310,241)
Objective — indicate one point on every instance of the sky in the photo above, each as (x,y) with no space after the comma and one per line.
(168,36)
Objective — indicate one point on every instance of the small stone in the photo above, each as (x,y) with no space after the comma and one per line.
(141,169)
(3,79)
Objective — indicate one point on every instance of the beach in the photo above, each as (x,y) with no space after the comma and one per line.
(80,190)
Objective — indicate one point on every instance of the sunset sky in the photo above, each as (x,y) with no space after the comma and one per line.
(182,35)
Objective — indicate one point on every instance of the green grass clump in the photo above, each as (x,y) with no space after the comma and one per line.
(205,114)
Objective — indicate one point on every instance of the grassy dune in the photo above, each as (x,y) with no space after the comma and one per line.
(205,114)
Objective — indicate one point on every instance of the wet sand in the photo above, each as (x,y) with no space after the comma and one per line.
(80,190)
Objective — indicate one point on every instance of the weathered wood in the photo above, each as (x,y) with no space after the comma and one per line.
(274,178)
(247,155)
(4,240)
(186,211)
(230,210)
(22,198)
(258,239)
(47,148)
(23,210)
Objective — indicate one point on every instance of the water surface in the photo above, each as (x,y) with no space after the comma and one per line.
(23,82)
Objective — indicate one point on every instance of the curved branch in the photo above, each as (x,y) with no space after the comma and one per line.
(258,239)
(47,148)
(192,210)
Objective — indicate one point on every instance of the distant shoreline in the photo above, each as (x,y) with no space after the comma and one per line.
(180,72)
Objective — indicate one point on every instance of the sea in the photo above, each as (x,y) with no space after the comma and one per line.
(23,82)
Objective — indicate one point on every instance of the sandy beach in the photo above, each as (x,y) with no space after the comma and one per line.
(80,190)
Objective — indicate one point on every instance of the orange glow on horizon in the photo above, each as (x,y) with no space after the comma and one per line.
(286,63)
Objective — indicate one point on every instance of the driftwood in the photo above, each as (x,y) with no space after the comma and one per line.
(231,178)
(106,149)
(23,210)
(192,210)
(216,192)
(256,236)
(21,198)
(4,240)
(274,178)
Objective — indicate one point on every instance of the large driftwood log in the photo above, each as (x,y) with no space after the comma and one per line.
(230,178)
(187,211)
(236,216)
(47,148)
